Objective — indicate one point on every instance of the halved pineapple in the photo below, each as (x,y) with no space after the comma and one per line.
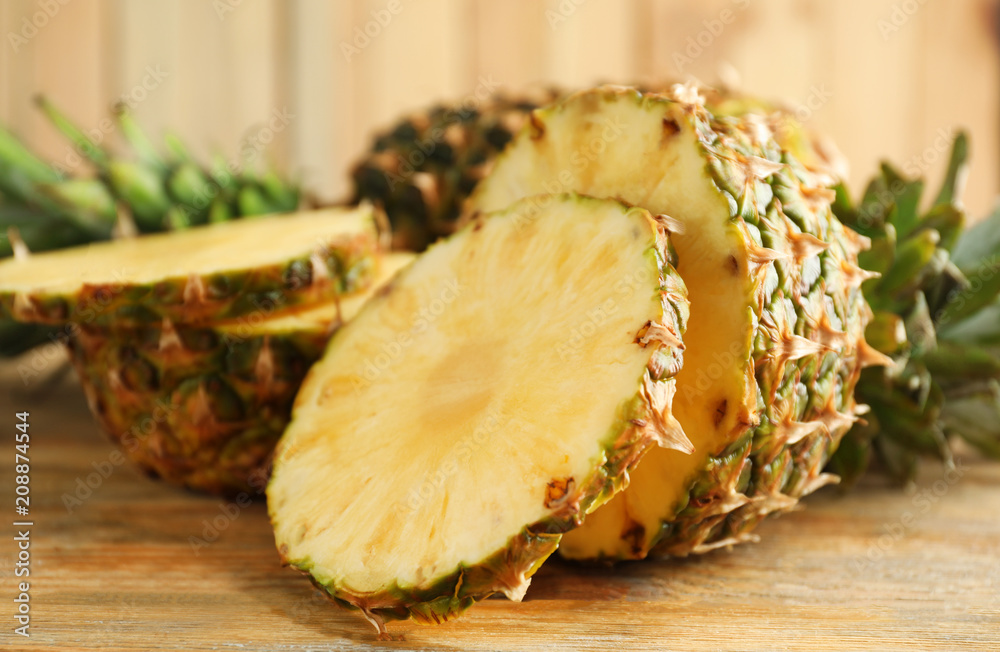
(497,392)
(200,275)
(204,406)
(775,342)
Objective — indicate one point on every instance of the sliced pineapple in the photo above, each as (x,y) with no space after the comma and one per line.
(775,342)
(499,391)
(203,407)
(197,276)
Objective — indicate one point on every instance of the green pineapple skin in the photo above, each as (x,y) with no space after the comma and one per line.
(200,408)
(637,428)
(805,403)
(423,168)
(768,466)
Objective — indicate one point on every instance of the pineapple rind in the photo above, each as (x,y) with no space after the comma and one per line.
(805,405)
(200,407)
(423,168)
(323,272)
(644,421)
(203,407)
(808,314)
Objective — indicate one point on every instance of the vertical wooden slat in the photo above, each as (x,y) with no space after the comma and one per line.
(226,73)
(59,57)
(321,96)
(145,40)
(69,71)
(411,60)
(19,70)
(509,41)
(753,43)
(590,42)
(6,54)
(683,46)
(961,89)
(874,108)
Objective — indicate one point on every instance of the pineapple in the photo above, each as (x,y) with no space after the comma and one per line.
(422,169)
(775,343)
(53,210)
(936,309)
(476,410)
(204,406)
(197,276)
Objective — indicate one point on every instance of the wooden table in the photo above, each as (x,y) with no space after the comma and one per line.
(878,569)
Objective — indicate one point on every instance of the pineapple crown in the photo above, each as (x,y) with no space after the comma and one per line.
(937,313)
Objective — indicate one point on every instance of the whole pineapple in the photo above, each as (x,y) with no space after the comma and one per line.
(159,191)
(422,169)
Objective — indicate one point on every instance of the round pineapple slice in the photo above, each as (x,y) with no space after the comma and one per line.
(497,392)
(199,275)
(203,407)
(776,338)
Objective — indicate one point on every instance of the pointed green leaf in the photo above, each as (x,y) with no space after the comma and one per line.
(80,140)
(984,286)
(954,179)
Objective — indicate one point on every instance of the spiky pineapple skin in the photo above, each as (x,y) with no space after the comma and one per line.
(423,168)
(805,362)
(805,402)
(644,421)
(341,266)
(199,407)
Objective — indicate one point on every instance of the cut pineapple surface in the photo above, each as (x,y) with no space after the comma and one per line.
(203,407)
(775,341)
(497,391)
(199,275)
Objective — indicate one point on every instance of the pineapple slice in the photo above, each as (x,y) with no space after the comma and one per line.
(775,343)
(203,407)
(197,276)
(497,392)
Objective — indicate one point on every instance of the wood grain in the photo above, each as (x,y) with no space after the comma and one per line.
(897,73)
(123,571)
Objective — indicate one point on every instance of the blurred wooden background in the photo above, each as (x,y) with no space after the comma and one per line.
(884,77)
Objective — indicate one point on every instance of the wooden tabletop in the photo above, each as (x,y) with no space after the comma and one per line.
(138,565)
